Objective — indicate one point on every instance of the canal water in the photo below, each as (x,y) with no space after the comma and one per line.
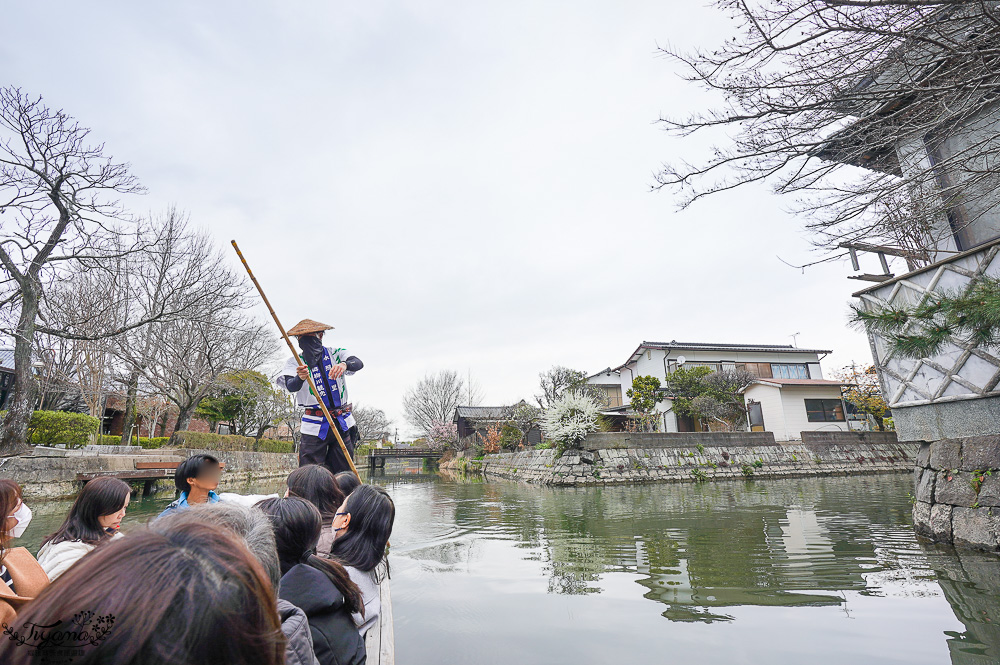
(778,572)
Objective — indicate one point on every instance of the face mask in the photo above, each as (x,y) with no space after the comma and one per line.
(312,349)
(23,516)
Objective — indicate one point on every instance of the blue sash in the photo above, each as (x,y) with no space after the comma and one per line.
(331,401)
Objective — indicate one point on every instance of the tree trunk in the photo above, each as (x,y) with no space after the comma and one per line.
(184,418)
(130,398)
(14,434)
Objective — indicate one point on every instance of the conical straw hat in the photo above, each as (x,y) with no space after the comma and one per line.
(308,326)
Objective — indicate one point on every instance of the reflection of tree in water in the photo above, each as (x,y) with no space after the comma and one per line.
(698,549)
(971,583)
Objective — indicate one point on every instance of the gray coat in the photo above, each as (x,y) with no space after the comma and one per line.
(299,642)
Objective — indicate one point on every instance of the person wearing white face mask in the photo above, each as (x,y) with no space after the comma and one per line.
(21,578)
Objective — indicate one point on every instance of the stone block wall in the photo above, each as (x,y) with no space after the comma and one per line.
(604,440)
(51,473)
(849,437)
(607,458)
(957,491)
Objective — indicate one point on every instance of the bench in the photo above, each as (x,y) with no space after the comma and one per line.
(146,471)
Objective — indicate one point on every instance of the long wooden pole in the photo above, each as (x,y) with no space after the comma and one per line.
(291,347)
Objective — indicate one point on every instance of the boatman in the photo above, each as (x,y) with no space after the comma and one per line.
(328,367)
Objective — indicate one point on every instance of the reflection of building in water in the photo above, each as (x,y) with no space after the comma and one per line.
(802,534)
(734,546)
(743,562)
(971,583)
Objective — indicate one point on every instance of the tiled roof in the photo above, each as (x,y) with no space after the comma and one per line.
(712,346)
(483,412)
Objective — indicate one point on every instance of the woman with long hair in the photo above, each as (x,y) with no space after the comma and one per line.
(95,516)
(347,481)
(321,588)
(21,578)
(363,526)
(317,485)
(193,594)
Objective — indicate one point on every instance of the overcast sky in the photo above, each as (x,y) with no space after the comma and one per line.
(458,185)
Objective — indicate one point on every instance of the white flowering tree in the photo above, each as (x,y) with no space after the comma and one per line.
(443,436)
(570,419)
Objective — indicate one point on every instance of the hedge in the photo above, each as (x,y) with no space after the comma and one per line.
(143,441)
(209,441)
(55,428)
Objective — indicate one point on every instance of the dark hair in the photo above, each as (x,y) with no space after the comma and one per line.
(316,484)
(363,544)
(191,468)
(248,522)
(190,595)
(10,494)
(297,525)
(347,481)
(100,497)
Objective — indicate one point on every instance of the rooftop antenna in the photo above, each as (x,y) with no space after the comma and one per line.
(795,341)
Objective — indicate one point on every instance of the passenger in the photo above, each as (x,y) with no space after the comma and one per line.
(197,478)
(317,485)
(21,578)
(190,595)
(348,482)
(96,516)
(363,526)
(322,588)
(254,527)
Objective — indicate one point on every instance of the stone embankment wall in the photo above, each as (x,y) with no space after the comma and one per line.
(958,491)
(620,457)
(51,473)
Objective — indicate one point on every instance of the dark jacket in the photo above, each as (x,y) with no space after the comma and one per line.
(335,637)
(298,639)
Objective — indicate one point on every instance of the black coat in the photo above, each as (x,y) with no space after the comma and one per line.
(335,637)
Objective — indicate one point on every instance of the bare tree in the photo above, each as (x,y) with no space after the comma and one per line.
(56,375)
(152,408)
(191,354)
(811,90)
(373,424)
(180,274)
(557,380)
(58,202)
(473,392)
(525,417)
(433,399)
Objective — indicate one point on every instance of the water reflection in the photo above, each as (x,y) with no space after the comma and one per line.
(706,553)
(812,570)
(971,583)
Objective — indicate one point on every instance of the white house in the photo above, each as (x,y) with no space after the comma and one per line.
(789,397)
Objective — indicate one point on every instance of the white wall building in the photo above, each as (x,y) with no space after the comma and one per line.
(789,397)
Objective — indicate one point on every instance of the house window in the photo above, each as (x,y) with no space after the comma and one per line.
(614,395)
(789,371)
(760,370)
(825,410)
(672,366)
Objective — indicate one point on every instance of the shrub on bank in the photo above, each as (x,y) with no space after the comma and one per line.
(569,420)
(61,428)
(228,442)
(150,443)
